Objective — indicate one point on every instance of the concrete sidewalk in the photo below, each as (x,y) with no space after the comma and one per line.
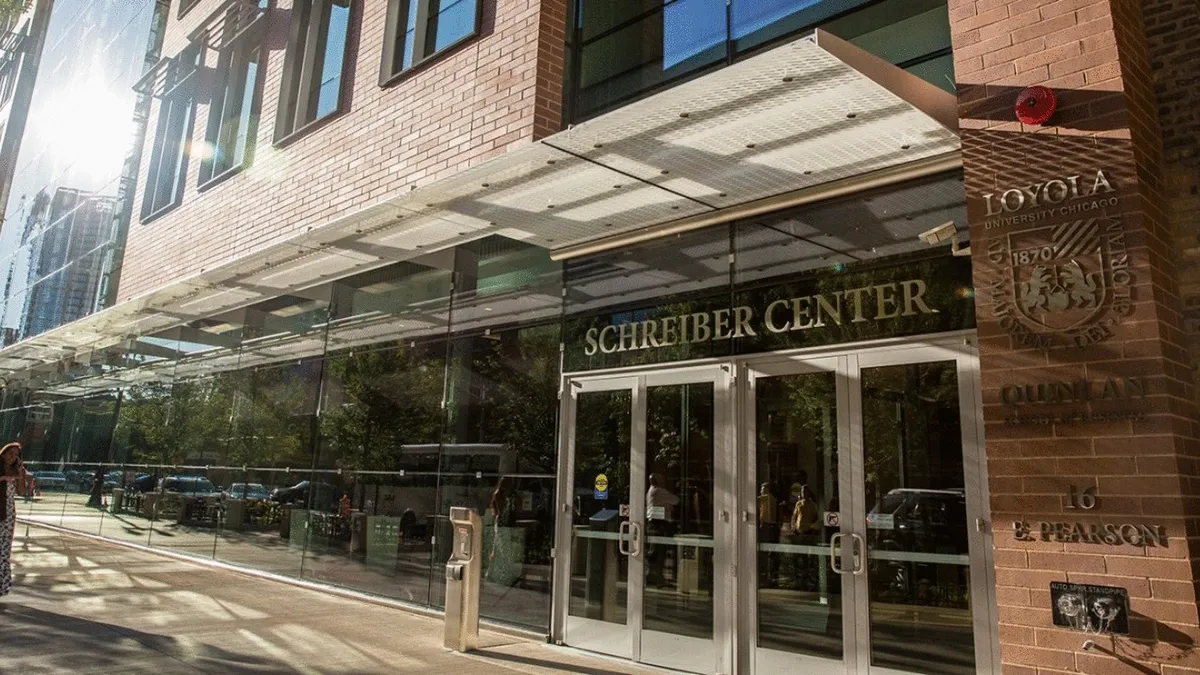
(84,606)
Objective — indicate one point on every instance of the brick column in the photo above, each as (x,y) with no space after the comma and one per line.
(1087,382)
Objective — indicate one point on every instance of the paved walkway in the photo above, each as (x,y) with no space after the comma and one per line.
(83,606)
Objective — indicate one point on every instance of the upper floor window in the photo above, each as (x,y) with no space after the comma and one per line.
(186,6)
(169,151)
(316,64)
(233,113)
(418,30)
(624,50)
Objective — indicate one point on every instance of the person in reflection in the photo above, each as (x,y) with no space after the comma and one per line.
(503,512)
(806,527)
(13,480)
(806,515)
(502,503)
(96,500)
(768,533)
(660,505)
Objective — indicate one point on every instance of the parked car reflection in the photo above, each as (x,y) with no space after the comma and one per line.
(920,520)
(188,498)
(86,481)
(192,486)
(50,480)
(248,491)
(918,547)
(324,496)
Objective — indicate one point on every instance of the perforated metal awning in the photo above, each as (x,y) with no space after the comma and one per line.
(809,119)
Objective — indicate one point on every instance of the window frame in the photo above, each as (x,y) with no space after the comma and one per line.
(397,13)
(186,6)
(575,110)
(179,96)
(245,48)
(304,65)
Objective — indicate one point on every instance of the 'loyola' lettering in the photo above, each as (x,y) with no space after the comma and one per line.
(1046,193)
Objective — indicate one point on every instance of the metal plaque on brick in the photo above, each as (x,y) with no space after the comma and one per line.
(1090,609)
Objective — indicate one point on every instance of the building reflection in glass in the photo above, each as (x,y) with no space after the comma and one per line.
(66,214)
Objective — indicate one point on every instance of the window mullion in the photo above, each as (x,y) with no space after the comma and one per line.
(306,104)
(395,26)
(156,156)
(293,72)
(322,41)
(166,175)
(220,146)
(420,53)
(239,70)
(172,149)
(185,126)
(212,137)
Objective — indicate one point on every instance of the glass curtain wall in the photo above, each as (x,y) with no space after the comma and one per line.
(624,50)
(142,437)
(325,435)
(373,492)
(67,210)
(502,418)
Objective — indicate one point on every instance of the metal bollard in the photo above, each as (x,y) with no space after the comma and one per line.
(463,576)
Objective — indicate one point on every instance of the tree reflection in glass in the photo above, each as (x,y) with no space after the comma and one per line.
(799,597)
(918,558)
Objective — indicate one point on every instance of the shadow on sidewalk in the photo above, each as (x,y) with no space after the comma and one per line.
(50,642)
(542,663)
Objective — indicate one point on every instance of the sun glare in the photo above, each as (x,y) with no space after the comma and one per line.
(89,126)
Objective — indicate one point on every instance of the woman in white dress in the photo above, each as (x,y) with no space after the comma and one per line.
(12,480)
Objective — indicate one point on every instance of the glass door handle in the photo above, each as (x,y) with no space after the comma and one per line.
(835,553)
(859,552)
(623,537)
(636,540)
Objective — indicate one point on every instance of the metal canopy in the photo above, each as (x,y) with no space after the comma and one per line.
(815,112)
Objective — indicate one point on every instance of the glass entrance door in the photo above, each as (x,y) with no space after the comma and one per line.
(647,572)
(779,514)
(796,597)
(926,605)
(863,515)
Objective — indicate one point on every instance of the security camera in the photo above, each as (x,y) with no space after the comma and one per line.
(946,232)
(940,234)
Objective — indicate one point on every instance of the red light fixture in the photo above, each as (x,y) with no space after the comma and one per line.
(1036,105)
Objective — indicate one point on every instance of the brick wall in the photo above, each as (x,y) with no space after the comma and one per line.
(501,89)
(1093,53)
(1171,35)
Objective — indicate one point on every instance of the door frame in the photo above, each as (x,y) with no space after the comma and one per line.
(751,657)
(631,640)
(979,532)
(736,643)
(609,638)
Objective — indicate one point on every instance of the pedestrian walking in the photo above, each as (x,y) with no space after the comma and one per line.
(13,479)
(96,500)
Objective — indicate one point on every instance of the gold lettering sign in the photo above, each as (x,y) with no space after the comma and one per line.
(1046,195)
(856,305)
(1075,391)
(1112,534)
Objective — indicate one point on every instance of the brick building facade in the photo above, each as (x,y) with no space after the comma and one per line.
(539,269)
(1122,90)
(496,92)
